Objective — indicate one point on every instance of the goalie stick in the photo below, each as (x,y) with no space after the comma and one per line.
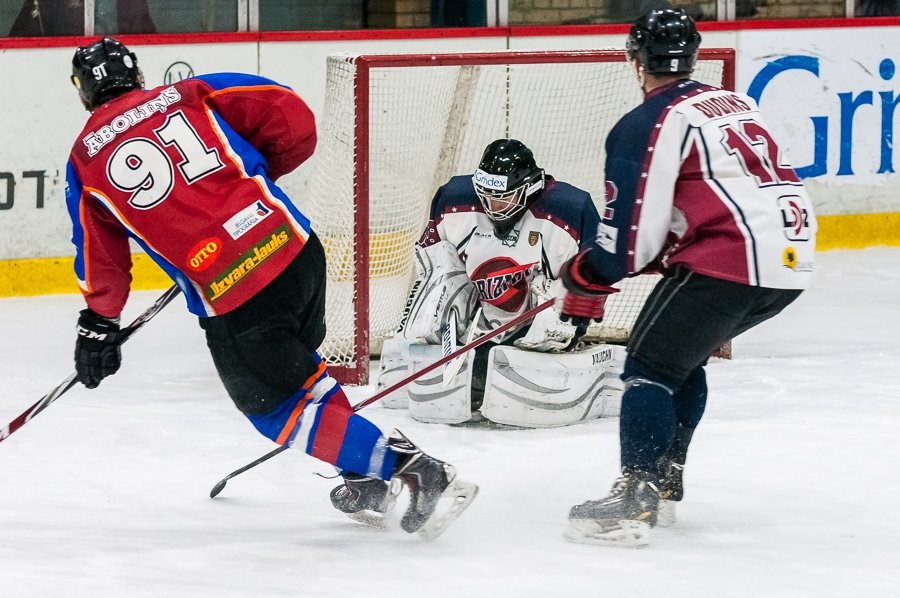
(69,382)
(452,368)
(220,485)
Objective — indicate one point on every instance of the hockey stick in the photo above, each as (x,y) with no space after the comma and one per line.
(69,382)
(453,367)
(398,385)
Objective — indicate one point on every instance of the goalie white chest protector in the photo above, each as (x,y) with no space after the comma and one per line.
(552,230)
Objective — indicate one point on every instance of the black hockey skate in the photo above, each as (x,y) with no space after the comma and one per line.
(429,480)
(672,482)
(365,499)
(624,517)
(671,476)
(671,491)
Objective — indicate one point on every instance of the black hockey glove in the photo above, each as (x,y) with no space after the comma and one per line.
(578,300)
(97,353)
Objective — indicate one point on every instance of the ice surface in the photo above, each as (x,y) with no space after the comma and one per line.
(791,482)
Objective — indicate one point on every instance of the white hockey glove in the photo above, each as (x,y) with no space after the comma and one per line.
(547,332)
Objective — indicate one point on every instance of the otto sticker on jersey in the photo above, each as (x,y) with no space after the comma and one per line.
(246,219)
(204,254)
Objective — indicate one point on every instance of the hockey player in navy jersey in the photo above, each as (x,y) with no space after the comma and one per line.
(697,187)
(494,241)
(188,171)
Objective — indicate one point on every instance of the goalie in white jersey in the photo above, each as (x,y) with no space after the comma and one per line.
(494,242)
(697,187)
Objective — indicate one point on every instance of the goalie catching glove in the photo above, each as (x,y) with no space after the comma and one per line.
(547,332)
(97,352)
(578,300)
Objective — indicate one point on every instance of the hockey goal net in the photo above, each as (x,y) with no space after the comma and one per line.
(396,127)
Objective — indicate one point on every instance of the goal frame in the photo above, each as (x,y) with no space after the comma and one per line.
(357,372)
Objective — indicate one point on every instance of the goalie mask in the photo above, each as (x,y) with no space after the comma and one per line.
(665,41)
(104,70)
(507,181)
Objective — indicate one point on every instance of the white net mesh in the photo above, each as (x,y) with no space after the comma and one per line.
(427,123)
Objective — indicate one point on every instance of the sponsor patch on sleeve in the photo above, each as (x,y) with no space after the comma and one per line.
(606,237)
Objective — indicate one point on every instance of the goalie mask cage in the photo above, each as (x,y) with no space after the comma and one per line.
(397,126)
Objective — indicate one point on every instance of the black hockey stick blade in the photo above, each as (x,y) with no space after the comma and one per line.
(69,382)
(449,357)
(221,483)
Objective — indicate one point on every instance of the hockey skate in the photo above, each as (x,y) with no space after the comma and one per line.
(429,480)
(623,518)
(671,476)
(365,499)
(671,491)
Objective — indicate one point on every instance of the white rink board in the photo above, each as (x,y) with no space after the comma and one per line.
(806,82)
(42,115)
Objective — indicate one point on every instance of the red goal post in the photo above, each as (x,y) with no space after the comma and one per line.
(396,126)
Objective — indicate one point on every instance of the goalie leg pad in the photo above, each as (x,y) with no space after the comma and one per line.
(537,390)
(430,400)
(393,367)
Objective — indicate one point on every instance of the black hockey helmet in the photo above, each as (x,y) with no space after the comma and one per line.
(506,182)
(666,41)
(104,69)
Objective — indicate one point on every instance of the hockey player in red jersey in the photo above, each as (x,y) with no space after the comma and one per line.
(188,171)
(695,186)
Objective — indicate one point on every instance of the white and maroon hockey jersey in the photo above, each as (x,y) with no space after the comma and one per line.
(553,229)
(694,177)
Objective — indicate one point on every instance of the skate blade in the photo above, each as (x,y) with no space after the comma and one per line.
(626,533)
(461,494)
(665,515)
(376,518)
(368,518)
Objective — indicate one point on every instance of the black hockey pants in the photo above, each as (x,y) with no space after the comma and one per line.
(263,350)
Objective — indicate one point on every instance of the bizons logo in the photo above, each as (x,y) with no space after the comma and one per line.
(503,283)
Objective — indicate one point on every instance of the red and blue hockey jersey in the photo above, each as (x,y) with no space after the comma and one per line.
(187,171)
(694,177)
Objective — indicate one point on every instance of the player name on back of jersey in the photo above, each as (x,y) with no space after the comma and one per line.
(95,140)
(722,105)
